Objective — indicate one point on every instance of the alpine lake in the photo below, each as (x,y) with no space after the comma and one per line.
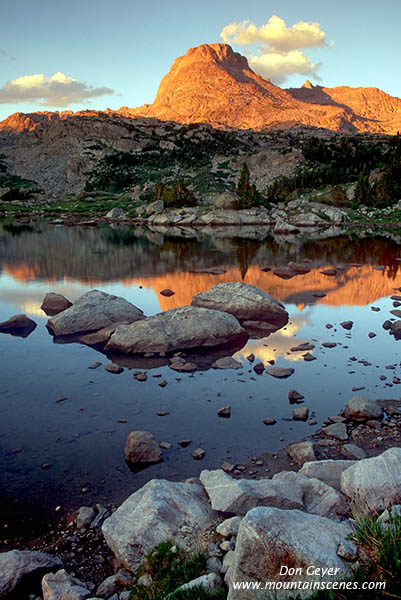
(63,426)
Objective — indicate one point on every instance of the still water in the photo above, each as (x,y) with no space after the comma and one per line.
(70,453)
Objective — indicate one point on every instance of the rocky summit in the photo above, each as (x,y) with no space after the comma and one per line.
(209,99)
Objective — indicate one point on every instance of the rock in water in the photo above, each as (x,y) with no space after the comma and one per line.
(177,329)
(16,564)
(141,447)
(244,301)
(92,311)
(154,514)
(55,303)
(18,325)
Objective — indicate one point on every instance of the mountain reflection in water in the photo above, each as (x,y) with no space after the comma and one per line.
(82,437)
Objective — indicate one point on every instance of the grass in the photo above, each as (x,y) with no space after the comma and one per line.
(169,568)
(379,547)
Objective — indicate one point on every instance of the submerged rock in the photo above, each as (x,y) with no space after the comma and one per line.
(92,311)
(177,329)
(244,301)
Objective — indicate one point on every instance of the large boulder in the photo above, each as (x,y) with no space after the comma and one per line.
(53,304)
(92,311)
(271,540)
(244,301)
(318,497)
(141,447)
(240,495)
(16,564)
(155,208)
(62,586)
(362,409)
(161,510)
(329,471)
(226,200)
(374,484)
(177,329)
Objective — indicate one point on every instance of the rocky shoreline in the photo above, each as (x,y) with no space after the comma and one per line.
(234,512)
(98,563)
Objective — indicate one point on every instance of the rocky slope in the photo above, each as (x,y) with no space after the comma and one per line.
(211,84)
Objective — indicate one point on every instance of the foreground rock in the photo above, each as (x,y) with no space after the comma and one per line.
(62,586)
(362,409)
(156,513)
(176,329)
(301,452)
(318,497)
(374,484)
(18,325)
(329,470)
(240,495)
(92,311)
(141,447)
(270,538)
(16,564)
(244,301)
(53,304)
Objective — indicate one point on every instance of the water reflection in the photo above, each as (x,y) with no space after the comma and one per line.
(82,437)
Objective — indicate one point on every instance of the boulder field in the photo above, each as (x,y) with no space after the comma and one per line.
(294,526)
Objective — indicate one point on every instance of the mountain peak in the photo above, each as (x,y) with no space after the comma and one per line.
(308,85)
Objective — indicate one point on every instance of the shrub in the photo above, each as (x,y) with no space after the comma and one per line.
(175,196)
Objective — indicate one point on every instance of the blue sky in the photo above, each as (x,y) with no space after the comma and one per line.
(98,54)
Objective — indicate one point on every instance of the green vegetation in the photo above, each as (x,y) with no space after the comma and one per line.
(169,568)
(379,561)
(248,195)
(176,196)
(19,188)
(192,150)
(347,161)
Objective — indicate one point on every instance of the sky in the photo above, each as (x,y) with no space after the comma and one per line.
(100,54)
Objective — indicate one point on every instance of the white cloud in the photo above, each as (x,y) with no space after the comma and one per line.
(278,66)
(57,90)
(280,47)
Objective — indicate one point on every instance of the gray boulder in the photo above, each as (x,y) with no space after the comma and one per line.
(338,431)
(116,213)
(154,514)
(176,329)
(225,200)
(155,208)
(244,301)
(374,484)
(227,362)
(329,471)
(301,452)
(318,497)
(62,586)
(240,495)
(362,409)
(16,564)
(55,303)
(209,582)
(92,311)
(271,540)
(142,447)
